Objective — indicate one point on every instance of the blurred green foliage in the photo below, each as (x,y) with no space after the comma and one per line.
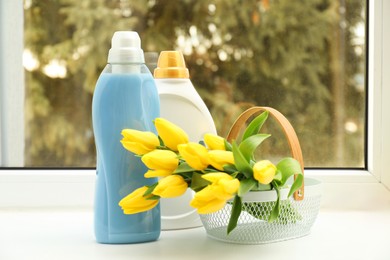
(275,53)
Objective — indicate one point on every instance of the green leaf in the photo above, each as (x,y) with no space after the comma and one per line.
(288,167)
(150,189)
(161,141)
(198,182)
(241,163)
(278,176)
(246,185)
(183,167)
(275,211)
(254,127)
(229,168)
(153,197)
(262,187)
(235,214)
(228,146)
(209,170)
(186,175)
(249,145)
(296,185)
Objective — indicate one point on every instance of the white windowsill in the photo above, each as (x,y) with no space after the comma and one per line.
(356,225)
(353,223)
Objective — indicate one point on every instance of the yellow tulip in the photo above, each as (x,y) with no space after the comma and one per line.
(264,171)
(160,162)
(196,155)
(205,202)
(157,173)
(220,158)
(213,197)
(215,177)
(139,142)
(171,186)
(223,185)
(214,142)
(135,202)
(171,134)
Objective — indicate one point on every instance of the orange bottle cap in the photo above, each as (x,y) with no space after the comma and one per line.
(171,64)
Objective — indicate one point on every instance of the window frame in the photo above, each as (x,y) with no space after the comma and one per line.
(75,187)
(11,74)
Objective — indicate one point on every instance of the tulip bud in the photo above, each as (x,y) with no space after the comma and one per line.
(196,155)
(215,177)
(171,134)
(213,197)
(139,142)
(160,162)
(220,158)
(214,142)
(223,185)
(136,202)
(205,202)
(171,186)
(264,171)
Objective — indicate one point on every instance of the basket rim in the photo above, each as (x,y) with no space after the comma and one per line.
(313,187)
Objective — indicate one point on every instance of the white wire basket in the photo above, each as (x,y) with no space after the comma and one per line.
(295,220)
(297,214)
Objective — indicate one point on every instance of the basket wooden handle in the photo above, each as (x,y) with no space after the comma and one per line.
(288,130)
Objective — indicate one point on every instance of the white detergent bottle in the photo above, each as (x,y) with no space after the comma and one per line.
(181,104)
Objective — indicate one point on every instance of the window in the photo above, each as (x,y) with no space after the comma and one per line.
(305,59)
(378,143)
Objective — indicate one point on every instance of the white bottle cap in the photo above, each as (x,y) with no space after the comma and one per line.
(126,48)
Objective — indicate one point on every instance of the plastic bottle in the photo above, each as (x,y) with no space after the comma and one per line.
(125,97)
(181,104)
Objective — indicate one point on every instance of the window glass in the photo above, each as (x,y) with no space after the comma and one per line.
(305,58)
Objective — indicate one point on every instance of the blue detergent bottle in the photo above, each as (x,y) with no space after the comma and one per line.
(125,97)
